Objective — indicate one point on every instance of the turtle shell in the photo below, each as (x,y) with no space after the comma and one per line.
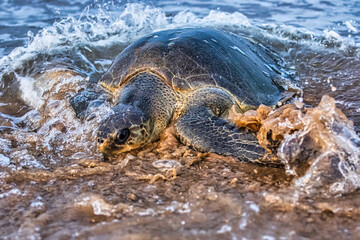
(194,57)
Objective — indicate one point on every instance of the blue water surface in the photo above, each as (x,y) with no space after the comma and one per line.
(20,18)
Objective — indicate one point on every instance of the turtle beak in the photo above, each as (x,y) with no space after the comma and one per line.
(102,145)
(110,150)
(107,148)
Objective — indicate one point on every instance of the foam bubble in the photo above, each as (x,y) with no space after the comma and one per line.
(4,161)
(29,93)
(350,26)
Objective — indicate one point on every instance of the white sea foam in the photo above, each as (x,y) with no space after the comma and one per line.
(29,93)
(349,25)
(102,29)
(332,35)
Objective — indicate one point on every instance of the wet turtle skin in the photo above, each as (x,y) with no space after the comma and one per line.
(189,78)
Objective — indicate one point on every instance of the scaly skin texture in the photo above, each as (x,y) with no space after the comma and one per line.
(145,106)
(198,118)
(202,126)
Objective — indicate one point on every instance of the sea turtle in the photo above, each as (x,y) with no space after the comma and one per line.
(189,78)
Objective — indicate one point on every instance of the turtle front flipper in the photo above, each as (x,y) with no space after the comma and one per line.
(201,126)
(87,100)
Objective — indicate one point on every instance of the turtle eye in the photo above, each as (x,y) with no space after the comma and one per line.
(122,136)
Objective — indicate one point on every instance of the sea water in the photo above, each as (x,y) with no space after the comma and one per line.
(55,184)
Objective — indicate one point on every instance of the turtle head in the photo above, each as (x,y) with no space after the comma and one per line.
(124,129)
